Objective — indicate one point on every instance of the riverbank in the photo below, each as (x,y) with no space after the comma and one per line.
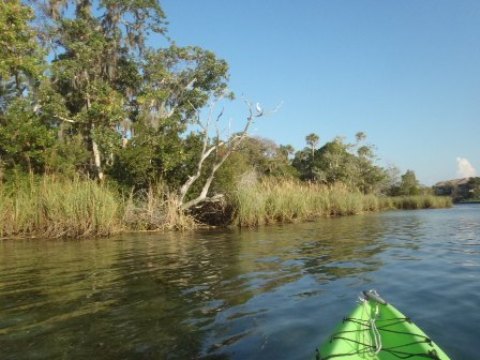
(292,201)
(469,201)
(59,208)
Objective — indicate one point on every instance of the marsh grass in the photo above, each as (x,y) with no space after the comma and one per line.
(272,201)
(53,208)
(420,202)
(49,207)
(155,209)
(291,201)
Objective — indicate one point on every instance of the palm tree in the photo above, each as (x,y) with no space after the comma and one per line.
(312,141)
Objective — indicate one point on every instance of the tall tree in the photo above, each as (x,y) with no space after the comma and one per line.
(21,61)
(409,184)
(369,177)
(94,69)
(25,137)
(176,84)
(136,110)
(312,141)
(334,163)
(339,161)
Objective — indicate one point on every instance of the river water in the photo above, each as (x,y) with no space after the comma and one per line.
(270,293)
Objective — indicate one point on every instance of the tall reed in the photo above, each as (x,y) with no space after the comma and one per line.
(155,209)
(290,201)
(271,201)
(420,202)
(54,208)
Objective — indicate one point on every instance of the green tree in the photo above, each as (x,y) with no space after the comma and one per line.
(312,141)
(21,61)
(259,156)
(390,185)
(334,163)
(266,157)
(110,105)
(339,161)
(24,141)
(302,163)
(176,84)
(215,151)
(95,68)
(286,151)
(25,138)
(409,184)
(369,178)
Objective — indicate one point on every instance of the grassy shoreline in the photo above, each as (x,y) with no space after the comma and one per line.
(58,208)
(290,201)
(53,208)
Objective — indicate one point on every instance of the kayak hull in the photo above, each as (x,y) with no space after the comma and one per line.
(391,336)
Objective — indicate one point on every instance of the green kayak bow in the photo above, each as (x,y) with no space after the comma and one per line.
(376,330)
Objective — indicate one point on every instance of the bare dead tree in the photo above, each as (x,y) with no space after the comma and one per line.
(220,150)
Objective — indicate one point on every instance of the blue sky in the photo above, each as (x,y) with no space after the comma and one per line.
(405,72)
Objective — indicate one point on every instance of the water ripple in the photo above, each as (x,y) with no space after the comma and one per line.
(272,292)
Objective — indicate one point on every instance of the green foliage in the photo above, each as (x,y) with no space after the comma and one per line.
(337,161)
(408,185)
(312,141)
(259,155)
(152,155)
(334,163)
(24,140)
(179,81)
(266,157)
(106,93)
(21,60)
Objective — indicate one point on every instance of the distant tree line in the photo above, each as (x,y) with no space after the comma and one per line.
(353,164)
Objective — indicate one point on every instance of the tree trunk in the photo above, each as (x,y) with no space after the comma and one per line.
(231,145)
(97,159)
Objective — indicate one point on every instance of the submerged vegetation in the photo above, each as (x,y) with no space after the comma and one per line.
(101,133)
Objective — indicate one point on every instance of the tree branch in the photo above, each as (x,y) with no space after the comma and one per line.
(231,145)
(65,119)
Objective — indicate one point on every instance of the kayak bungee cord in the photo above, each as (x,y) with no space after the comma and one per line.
(377,339)
(371,323)
(394,350)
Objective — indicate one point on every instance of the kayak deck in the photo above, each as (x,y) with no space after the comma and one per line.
(391,336)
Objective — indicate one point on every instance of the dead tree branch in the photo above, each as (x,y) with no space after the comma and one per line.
(227,148)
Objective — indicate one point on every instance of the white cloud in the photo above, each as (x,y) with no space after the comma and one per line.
(464,168)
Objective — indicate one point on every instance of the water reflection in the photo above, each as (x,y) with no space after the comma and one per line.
(215,294)
(158,296)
